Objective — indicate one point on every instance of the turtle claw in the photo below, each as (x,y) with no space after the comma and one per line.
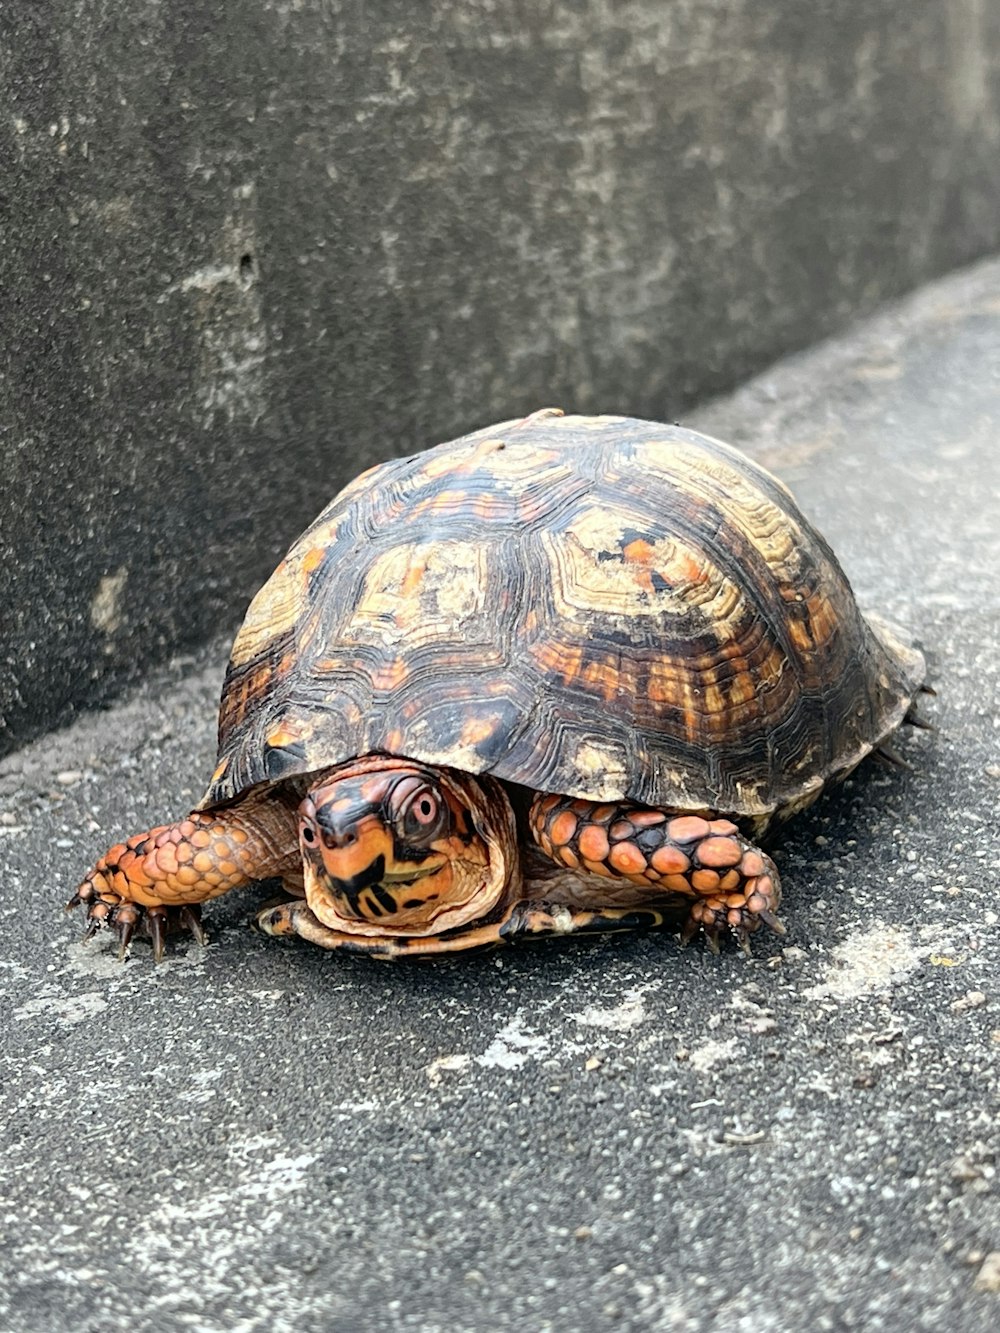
(126,929)
(740,913)
(157,923)
(127,919)
(775,923)
(189,919)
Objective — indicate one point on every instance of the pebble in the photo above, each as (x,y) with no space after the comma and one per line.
(972,999)
(69,777)
(988,1277)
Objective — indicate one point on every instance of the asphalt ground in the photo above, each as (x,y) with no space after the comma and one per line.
(606,1134)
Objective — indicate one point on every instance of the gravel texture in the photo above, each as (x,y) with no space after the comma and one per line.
(605,1134)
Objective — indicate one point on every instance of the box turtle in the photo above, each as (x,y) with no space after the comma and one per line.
(554,676)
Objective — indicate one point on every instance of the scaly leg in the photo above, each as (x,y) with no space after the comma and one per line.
(156,881)
(733,883)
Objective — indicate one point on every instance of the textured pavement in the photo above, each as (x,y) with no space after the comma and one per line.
(614,1134)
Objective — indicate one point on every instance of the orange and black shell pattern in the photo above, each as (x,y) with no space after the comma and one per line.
(602,607)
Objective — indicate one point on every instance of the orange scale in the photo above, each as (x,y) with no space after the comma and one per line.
(719,852)
(705,881)
(722,826)
(687,827)
(627,859)
(593,843)
(598,868)
(562,828)
(678,883)
(670,861)
(645,818)
(622,828)
(752,864)
(165,860)
(730,880)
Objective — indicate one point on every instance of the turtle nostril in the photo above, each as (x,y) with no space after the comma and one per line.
(338,841)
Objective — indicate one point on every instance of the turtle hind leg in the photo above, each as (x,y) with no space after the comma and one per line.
(153,884)
(734,885)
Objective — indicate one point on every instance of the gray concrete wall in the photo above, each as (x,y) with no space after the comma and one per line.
(248,248)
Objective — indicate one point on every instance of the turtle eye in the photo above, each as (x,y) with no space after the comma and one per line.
(422,815)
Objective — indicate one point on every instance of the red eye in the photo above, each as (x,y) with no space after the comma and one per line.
(424,807)
(422,816)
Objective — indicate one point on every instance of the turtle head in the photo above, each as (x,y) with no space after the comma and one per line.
(398,848)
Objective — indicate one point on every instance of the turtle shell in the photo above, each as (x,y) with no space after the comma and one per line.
(597,606)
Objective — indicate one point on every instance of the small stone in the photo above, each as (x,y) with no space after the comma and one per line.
(8,817)
(972,999)
(682,1053)
(993,770)
(593,1062)
(760,1027)
(69,777)
(743,1140)
(583,1233)
(988,1277)
(820,840)
(964,1169)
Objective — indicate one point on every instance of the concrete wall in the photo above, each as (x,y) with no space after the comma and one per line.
(249,248)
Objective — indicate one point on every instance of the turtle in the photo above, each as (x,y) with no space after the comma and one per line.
(559,675)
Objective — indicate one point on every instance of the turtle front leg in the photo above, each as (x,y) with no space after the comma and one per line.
(155,882)
(732,882)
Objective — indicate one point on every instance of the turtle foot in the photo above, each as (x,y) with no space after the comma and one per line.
(741,913)
(128,919)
